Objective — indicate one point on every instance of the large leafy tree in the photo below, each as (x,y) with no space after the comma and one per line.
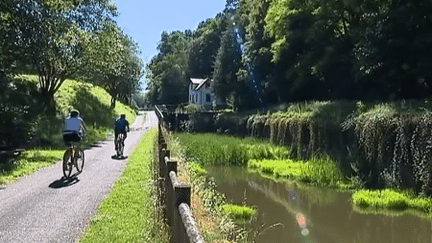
(48,39)
(229,82)
(166,73)
(204,47)
(113,62)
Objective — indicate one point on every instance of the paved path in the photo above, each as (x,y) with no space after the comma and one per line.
(43,207)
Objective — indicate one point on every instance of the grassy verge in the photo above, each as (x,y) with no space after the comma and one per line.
(128,213)
(29,162)
(215,224)
(391,200)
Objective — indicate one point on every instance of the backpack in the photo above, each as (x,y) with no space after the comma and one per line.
(120,124)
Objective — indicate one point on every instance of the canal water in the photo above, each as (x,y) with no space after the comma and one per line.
(314,215)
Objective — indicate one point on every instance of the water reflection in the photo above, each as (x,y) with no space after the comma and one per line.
(290,214)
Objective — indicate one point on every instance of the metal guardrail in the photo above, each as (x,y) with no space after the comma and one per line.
(175,196)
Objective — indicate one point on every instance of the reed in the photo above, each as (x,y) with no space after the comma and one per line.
(391,199)
(215,149)
(320,171)
(240,213)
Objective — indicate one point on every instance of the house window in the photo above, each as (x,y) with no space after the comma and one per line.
(208,98)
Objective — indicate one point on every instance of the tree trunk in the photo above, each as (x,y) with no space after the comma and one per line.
(113,102)
(48,102)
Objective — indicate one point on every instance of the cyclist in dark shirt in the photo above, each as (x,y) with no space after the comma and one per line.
(121,125)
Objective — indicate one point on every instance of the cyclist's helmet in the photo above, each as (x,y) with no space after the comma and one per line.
(74,113)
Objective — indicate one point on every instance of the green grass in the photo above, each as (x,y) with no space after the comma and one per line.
(215,225)
(316,171)
(324,110)
(340,110)
(215,149)
(128,213)
(28,162)
(240,213)
(391,199)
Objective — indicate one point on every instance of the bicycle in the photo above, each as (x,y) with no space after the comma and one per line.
(120,144)
(70,159)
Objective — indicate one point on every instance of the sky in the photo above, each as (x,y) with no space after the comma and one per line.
(145,20)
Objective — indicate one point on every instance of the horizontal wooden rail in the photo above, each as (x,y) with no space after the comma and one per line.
(175,196)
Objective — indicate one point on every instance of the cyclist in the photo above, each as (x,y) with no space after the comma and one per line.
(74,129)
(121,125)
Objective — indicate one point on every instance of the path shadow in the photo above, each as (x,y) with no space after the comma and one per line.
(95,145)
(64,182)
(119,158)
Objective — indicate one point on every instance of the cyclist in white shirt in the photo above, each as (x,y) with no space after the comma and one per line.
(74,129)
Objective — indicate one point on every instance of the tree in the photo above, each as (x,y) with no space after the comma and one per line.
(166,73)
(49,42)
(228,85)
(204,47)
(114,63)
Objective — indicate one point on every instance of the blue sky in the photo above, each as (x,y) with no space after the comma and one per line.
(145,20)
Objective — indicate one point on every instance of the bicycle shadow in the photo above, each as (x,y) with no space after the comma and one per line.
(119,157)
(64,182)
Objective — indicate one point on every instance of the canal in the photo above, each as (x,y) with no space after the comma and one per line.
(287,213)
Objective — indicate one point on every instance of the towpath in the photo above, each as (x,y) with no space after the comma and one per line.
(44,207)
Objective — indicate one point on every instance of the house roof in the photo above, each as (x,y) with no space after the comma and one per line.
(200,82)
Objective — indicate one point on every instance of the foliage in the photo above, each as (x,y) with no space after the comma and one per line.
(28,162)
(166,78)
(215,224)
(191,108)
(228,63)
(303,50)
(213,149)
(92,101)
(114,63)
(54,39)
(390,199)
(19,103)
(240,212)
(203,50)
(46,39)
(318,171)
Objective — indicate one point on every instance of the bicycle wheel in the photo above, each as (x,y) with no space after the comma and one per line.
(121,148)
(79,163)
(67,163)
(117,145)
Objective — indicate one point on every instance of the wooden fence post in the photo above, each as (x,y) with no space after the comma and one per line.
(162,150)
(169,189)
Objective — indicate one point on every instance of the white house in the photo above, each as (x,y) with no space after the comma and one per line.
(200,93)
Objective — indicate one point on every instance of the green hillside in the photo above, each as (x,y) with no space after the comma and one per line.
(92,101)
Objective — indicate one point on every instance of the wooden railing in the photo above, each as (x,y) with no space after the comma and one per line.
(175,196)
